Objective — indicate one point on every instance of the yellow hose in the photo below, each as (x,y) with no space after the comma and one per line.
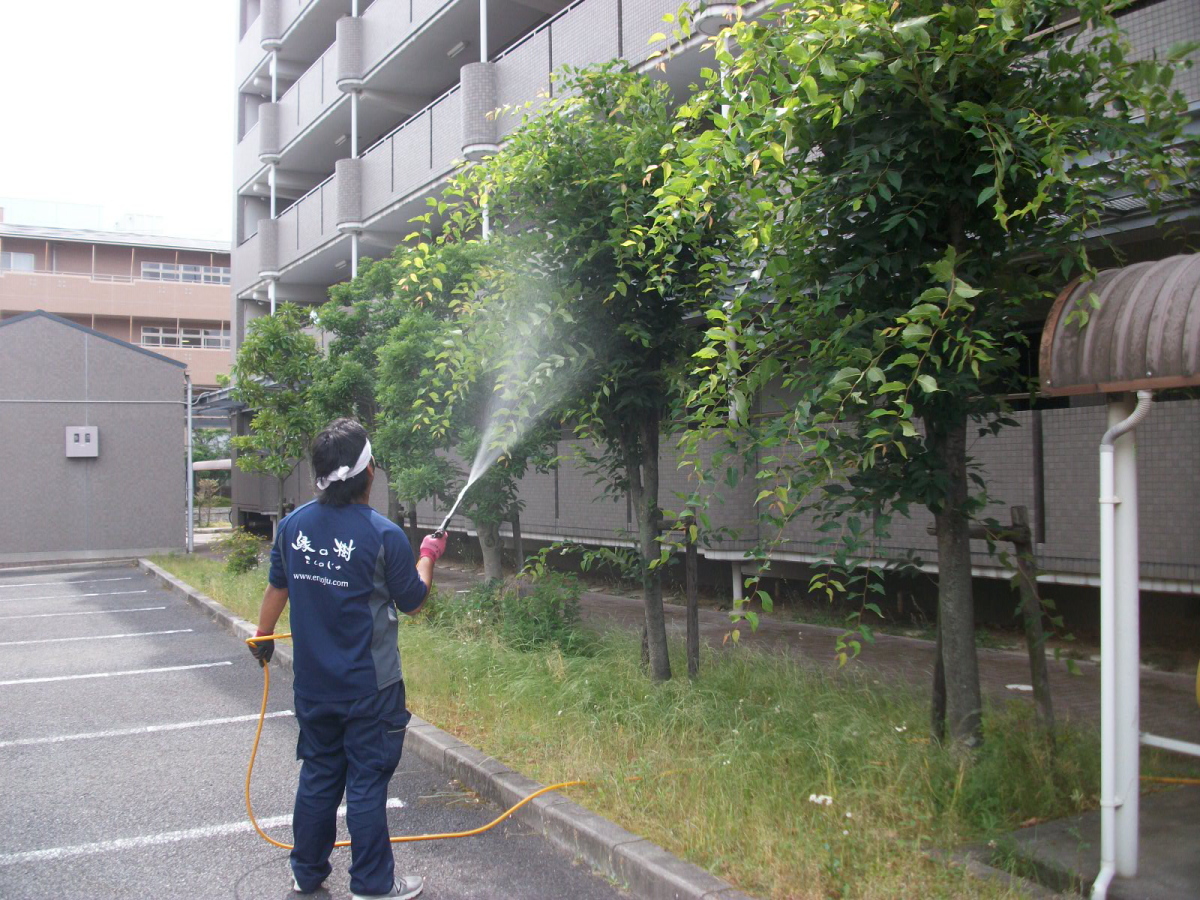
(396,840)
(1158,779)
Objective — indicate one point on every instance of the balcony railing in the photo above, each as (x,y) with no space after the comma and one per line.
(308,222)
(107,278)
(389,24)
(313,93)
(428,146)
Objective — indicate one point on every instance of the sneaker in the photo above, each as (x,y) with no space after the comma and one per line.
(405,888)
(299,890)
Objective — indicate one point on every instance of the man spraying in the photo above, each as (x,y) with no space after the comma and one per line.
(346,570)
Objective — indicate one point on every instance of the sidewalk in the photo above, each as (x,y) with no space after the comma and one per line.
(1168,699)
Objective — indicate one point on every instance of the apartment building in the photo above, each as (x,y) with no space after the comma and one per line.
(352,114)
(168,295)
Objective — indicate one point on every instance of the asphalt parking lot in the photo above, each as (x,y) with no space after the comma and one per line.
(126,718)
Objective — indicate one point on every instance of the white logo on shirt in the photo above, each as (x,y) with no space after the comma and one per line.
(342,549)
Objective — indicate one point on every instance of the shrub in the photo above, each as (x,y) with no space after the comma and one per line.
(521,613)
(540,613)
(243,551)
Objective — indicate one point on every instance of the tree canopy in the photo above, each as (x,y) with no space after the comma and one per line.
(569,193)
(913,180)
(273,376)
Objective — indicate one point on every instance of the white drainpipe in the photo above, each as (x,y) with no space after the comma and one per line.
(483,31)
(1119,639)
(191,477)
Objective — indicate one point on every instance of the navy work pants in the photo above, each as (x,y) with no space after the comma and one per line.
(350,746)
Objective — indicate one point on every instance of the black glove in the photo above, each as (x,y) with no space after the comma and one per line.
(262,650)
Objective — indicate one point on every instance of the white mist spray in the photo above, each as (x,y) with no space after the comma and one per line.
(543,376)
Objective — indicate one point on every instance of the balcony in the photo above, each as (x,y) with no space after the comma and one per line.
(409,163)
(202,365)
(113,295)
(400,55)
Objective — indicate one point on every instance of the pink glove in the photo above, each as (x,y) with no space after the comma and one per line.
(433,546)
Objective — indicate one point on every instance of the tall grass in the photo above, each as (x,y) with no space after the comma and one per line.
(240,593)
(720,770)
(746,746)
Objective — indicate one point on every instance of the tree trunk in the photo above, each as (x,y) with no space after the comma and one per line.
(937,707)
(394,512)
(641,456)
(278,508)
(518,542)
(956,609)
(413,534)
(491,546)
(1031,613)
(692,581)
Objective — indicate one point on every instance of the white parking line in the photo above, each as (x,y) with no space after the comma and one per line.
(144,729)
(94,637)
(71,596)
(156,840)
(48,583)
(90,612)
(113,674)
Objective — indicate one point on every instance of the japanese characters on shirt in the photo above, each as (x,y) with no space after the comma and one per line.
(319,557)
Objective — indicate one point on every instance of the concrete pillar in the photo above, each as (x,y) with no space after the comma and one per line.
(268,249)
(271,16)
(350,66)
(270,116)
(348,181)
(478,91)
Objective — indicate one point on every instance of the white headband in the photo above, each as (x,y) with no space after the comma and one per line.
(345,473)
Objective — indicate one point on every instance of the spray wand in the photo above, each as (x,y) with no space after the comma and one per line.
(442,528)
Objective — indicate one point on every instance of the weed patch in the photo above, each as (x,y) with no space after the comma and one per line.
(791,782)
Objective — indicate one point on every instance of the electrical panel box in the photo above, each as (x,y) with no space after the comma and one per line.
(83,440)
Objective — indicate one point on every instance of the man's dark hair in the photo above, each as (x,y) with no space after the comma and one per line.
(340,445)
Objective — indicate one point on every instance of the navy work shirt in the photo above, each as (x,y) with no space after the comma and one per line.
(346,569)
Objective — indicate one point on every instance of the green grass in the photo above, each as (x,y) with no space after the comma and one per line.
(240,593)
(745,746)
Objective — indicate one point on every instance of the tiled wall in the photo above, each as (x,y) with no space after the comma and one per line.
(1169,495)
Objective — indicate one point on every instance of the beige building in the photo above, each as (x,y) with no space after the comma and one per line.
(168,295)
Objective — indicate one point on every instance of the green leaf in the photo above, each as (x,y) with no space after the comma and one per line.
(809,85)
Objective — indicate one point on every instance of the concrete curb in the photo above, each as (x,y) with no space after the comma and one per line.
(648,871)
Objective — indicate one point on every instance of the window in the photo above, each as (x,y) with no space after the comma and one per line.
(187,338)
(156,271)
(16,262)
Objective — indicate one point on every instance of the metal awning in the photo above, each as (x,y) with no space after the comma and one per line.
(1144,334)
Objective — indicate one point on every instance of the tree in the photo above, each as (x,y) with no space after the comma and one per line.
(606,333)
(273,376)
(207,444)
(436,285)
(207,490)
(914,179)
(357,319)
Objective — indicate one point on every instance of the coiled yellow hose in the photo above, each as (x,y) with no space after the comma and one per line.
(402,839)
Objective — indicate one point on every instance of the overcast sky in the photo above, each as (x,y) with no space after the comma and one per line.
(126,105)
